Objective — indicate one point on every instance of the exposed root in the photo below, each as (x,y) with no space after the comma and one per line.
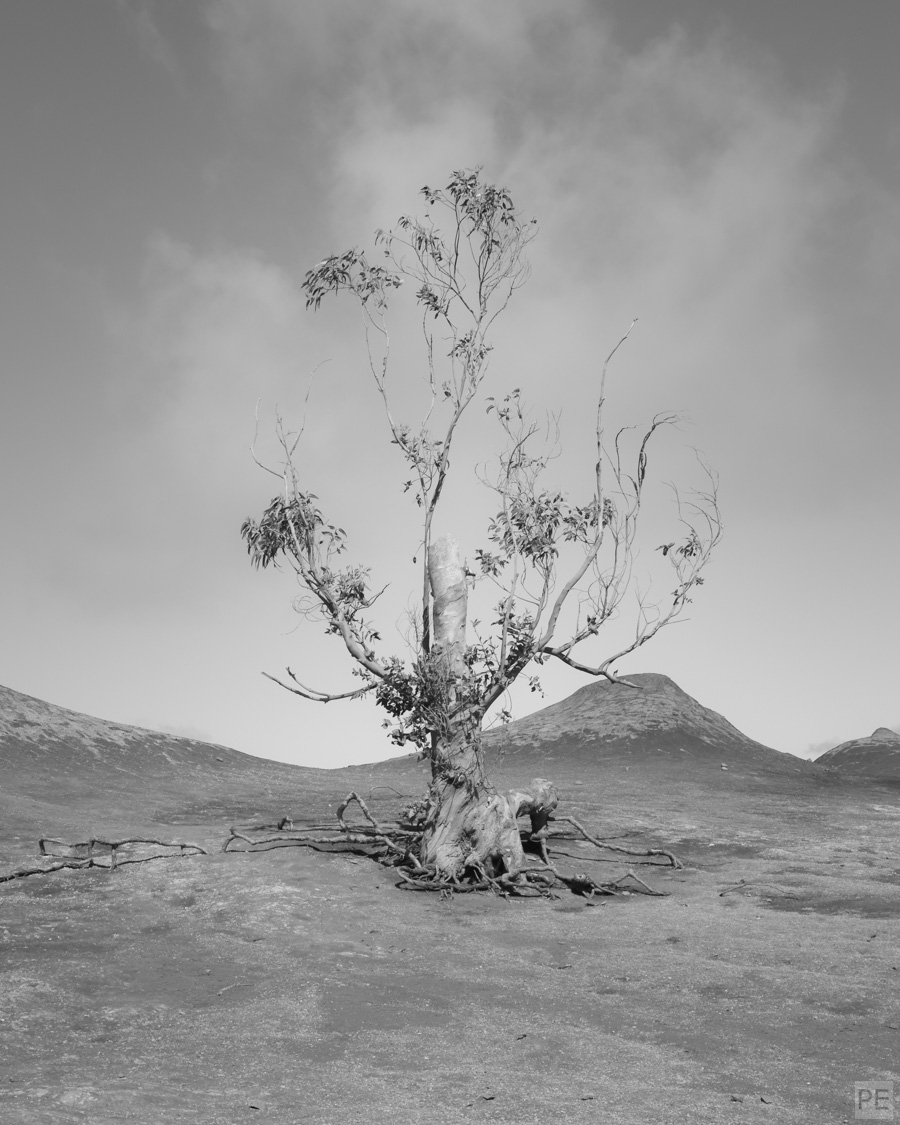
(91,853)
(398,846)
(48,846)
(362,843)
(643,852)
(374,839)
(342,808)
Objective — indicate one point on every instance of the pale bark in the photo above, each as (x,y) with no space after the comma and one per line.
(455,746)
(538,802)
(448,589)
(470,825)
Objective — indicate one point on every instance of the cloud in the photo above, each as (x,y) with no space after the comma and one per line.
(685,181)
(139,18)
(404,51)
(682,181)
(169,477)
(677,183)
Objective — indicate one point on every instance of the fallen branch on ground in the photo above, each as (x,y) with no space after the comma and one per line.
(86,854)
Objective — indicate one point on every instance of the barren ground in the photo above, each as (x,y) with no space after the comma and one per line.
(295,986)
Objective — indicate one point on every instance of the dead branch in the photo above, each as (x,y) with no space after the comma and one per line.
(89,846)
(80,856)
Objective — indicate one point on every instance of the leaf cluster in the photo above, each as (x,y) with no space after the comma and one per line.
(294,529)
(288,527)
(350,271)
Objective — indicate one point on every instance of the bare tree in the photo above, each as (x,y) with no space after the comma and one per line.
(466,259)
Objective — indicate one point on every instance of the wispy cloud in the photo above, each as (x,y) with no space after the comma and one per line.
(139,17)
(172,476)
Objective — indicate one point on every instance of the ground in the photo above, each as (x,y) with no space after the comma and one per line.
(294,986)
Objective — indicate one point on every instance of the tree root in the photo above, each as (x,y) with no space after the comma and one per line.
(394,845)
(372,839)
(643,852)
(363,843)
(86,854)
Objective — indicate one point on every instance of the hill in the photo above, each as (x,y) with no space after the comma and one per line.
(59,767)
(37,736)
(877,756)
(604,722)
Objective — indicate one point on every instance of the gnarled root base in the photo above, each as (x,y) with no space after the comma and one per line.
(469,829)
(475,845)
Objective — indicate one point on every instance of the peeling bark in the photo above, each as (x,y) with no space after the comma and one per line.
(450,599)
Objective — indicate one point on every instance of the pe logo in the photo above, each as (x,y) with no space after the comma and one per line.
(873,1101)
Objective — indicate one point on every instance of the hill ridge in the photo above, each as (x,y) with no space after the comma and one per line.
(875,756)
(31,727)
(654,715)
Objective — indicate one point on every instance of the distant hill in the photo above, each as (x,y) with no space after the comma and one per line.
(57,764)
(877,756)
(51,751)
(36,735)
(655,719)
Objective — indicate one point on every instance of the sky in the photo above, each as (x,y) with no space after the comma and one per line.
(729,173)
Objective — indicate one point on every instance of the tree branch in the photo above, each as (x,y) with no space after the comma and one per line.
(318,696)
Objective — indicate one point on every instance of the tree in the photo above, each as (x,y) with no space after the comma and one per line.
(560,569)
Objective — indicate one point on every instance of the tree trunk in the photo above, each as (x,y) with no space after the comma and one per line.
(471,827)
(470,824)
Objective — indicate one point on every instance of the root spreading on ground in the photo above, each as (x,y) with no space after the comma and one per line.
(105,854)
(395,845)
